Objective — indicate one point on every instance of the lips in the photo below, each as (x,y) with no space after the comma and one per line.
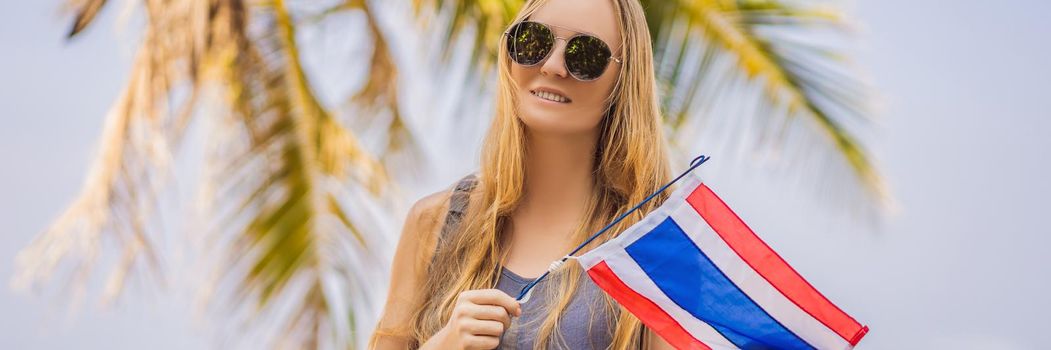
(549,94)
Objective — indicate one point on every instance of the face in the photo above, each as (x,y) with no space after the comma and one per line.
(584,102)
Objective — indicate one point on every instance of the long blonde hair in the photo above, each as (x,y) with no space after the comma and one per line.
(630,163)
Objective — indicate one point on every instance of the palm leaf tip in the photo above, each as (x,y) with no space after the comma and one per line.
(790,58)
(86,12)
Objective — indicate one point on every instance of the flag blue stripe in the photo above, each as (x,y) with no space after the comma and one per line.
(690,279)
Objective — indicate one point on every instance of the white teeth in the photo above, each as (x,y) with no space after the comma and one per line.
(550,96)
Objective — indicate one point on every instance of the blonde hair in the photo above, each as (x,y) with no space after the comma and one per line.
(630,163)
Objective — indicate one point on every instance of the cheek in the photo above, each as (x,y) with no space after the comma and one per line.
(603,87)
(522,76)
(596,94)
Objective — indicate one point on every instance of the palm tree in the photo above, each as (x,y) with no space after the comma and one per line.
(299,192)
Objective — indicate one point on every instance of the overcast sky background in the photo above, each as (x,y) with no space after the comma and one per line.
(965,143)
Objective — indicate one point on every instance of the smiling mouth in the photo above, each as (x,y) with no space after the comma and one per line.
(553,97)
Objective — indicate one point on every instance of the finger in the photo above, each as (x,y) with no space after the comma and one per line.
(485,327)
(491,312)
(496,297)
(482,342)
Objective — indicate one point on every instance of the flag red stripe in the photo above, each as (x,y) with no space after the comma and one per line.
(648,312)
(771,266)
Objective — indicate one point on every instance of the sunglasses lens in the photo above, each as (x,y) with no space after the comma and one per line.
(529,42)
(587,57)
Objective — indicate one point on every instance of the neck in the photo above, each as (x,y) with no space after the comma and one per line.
(559,177)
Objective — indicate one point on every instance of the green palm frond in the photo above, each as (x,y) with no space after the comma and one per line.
(380,95)
(486,18)
(295,244)
(793,58)
(376,106)
(294,222)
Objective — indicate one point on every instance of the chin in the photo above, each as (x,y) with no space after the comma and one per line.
(552,123)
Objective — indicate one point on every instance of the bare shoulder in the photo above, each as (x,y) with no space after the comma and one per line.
(423,223)
(430,206)
(427,216)
(419,233)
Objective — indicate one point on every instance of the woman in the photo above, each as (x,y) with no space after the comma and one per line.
(575,141)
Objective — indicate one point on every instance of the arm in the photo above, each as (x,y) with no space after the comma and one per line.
(415,247)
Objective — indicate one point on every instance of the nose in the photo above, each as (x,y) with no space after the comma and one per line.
(555,63)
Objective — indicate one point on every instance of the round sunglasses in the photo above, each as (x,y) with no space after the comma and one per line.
(586,57)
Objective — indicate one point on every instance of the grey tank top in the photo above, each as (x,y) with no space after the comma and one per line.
(585,322)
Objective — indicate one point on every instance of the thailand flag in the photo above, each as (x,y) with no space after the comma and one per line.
(696,275)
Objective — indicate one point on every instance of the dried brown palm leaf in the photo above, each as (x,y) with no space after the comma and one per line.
(118,197)
(296,191)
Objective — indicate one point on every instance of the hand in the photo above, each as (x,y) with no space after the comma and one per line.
(479,318)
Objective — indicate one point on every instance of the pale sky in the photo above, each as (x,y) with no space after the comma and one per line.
(964,143)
